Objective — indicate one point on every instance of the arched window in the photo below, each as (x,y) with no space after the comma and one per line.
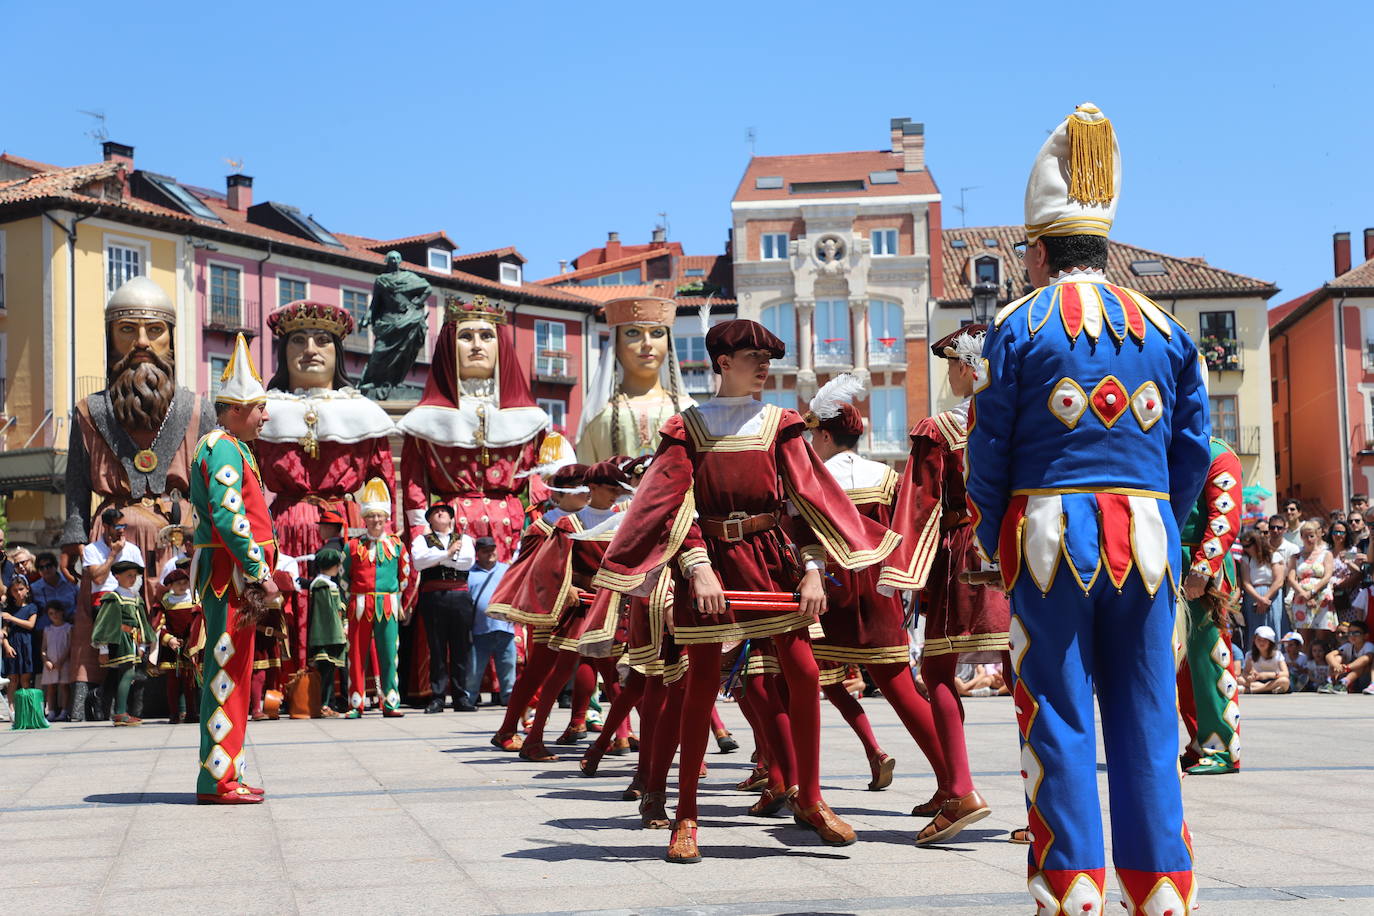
(781,319)
(832,333)
(886,334)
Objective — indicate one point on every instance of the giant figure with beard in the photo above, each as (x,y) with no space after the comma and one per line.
(323,439)
(130,448)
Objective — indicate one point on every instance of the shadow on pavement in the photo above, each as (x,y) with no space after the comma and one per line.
(591,852)
(142,798)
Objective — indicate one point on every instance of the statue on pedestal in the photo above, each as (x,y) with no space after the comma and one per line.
(399,321)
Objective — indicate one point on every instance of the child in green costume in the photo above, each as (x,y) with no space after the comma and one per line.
(122,635)
(328,639)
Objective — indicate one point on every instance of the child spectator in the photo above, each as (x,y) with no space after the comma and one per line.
(1266,670)
(1350,663)
(179,624)
(57,667)
(122,636)
(19,616)
(1299,665)
(328,641)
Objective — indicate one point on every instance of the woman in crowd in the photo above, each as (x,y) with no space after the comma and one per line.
(1310,580)
(1349,569)
(19,616)
(1266,670)
(1261,583)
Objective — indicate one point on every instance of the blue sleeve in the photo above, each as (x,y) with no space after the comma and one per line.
(1190,448)
(992,425)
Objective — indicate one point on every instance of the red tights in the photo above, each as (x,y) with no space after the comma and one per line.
(617,724)
(853,712)
(538,664)
(767,713)
(803,712)
(659,715)
(938,673)
(563,665)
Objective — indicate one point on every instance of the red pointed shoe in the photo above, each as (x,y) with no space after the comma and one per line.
(240,795)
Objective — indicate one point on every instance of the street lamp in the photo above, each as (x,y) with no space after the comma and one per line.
(984,302)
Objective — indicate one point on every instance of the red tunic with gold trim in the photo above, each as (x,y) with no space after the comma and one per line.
(736,455)
(937,545)
(862,625)
(318,449)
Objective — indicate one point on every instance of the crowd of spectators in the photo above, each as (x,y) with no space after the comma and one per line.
(1309,577)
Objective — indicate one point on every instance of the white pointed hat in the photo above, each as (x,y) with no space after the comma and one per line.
(241,383)
(1076,180)
(376,497)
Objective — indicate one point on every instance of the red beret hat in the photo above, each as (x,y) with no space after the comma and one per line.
(848,422)
(606,473)
(742,334)
(569,476)
(944,347)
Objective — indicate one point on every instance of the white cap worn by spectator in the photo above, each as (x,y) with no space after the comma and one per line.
(1290,636)
(1269,634)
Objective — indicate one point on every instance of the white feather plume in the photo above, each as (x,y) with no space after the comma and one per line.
(834,394)
(704,314)
(607,526)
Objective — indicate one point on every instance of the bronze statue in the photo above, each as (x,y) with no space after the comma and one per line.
(399,320)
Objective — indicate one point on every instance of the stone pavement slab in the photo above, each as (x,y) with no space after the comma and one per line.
(421,815)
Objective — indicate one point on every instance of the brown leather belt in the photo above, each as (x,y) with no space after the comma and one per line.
(267,631)
(737,525)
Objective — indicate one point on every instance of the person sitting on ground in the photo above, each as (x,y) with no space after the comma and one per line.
(1350,664)
(1299,665)
(1266,671)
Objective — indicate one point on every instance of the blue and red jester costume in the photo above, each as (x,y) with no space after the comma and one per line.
(1087,448)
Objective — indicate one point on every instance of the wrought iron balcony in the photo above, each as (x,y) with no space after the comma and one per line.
(887,351)
(833,353)
(230,313)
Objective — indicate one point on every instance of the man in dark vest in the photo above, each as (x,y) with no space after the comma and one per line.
(443,559)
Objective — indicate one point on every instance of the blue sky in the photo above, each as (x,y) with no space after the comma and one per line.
(1245,128)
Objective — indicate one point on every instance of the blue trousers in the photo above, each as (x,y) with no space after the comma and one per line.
(499,645)
(1065,644)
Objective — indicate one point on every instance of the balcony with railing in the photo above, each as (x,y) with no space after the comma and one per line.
(833,353)
(697,379)
(1244,440)
(230,314)
(890,440)
(551,367)
(887,351)
(1222,354)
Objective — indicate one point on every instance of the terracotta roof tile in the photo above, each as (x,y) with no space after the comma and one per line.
(96,184)
(32,165)
(1360,276)
(832,167)
(414,239)
(1184,277)
(606,267)
(489,253)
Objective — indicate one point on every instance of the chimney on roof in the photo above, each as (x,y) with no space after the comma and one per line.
(240,192)
(1340,250)
(896,132)
(1368,244)
(613,246)
(913,146)
(660,238)
(118,152)
(562,265)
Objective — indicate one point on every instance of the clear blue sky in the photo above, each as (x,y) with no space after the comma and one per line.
(1245,128)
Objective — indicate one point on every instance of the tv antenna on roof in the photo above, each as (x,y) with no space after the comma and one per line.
(751,136)
(663,222)
(963,215)
(98,133)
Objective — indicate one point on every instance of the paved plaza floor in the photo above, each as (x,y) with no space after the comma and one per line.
(421,815)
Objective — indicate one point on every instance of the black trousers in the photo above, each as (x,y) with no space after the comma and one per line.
(448,620)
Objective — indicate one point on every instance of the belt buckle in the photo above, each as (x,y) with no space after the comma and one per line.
(736,519)
(269,632)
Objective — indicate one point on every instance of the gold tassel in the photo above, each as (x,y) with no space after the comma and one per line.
(1090,161)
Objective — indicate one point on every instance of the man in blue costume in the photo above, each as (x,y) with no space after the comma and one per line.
(1100,395)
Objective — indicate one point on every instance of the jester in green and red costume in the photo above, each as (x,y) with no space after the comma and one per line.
(232,571)
(1208,697)
(376,573)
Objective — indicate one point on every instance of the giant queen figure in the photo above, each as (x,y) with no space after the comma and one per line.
(130,449)
(323,439)
(476,433)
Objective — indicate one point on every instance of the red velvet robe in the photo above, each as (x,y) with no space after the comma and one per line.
(697,472)
(937,545)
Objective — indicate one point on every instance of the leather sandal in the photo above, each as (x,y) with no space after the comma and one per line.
(619,747)
(683,848)
(758,779)
(634,791)
(239,795)
(882,767)
(535,752)
(653,812)
(819,817)
(591,759)
(571,735)
(772,801)
(507,742)
(726,742)
(1021,836)
(954,815)
(392,713)
(932,807)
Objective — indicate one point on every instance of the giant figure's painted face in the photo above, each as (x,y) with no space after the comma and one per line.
(311,358)
(476,345)
(144,338)
(641,349)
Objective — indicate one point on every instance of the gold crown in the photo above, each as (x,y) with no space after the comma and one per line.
(478,308)
(304,315)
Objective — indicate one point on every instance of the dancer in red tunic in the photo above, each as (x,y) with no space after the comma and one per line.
(711,503)
(963,622)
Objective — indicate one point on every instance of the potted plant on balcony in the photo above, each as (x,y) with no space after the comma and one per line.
(1221,353)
